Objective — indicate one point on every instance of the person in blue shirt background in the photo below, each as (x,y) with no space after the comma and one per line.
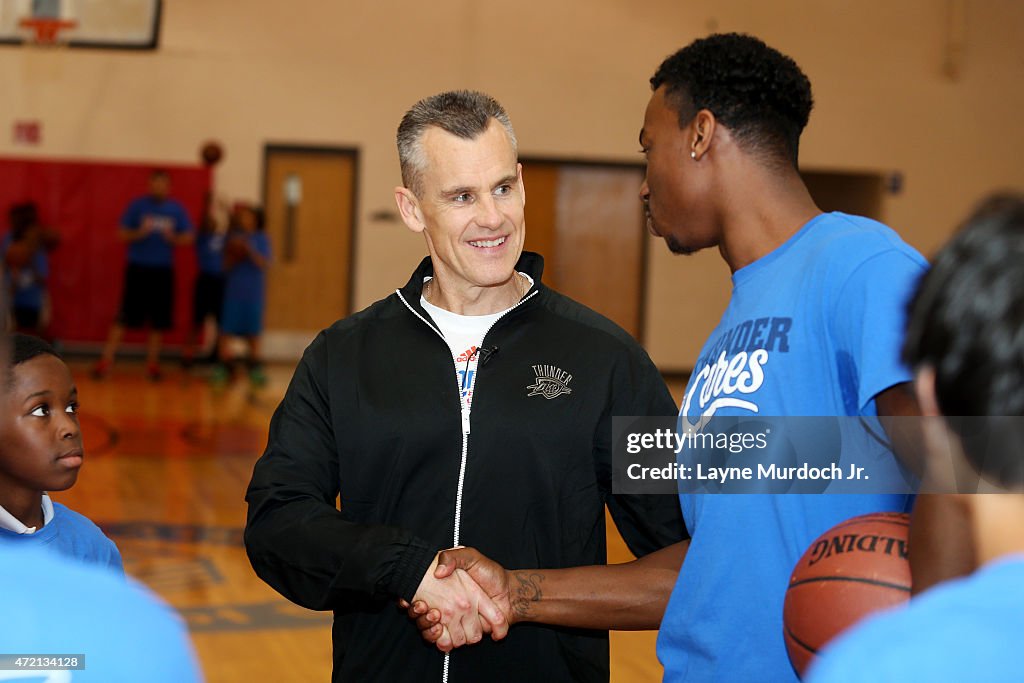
(152,225)
(208,294)
(27,268)
(965,344)
(246,257)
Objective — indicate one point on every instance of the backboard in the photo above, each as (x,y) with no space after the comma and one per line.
(110,24)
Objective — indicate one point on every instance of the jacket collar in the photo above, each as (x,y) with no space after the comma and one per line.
(530,263)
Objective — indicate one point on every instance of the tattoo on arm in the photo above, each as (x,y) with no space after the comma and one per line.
(525,592)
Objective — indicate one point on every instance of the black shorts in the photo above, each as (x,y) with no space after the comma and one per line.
(148,297)
(208,298)
(25,318)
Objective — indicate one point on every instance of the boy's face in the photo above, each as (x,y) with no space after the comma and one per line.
(159,186)
(246,219)
(674,192)
(40,438)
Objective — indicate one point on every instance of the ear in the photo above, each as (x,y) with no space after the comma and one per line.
(924,390)
(703,126)
(409,208)
(519,177)
(946,468)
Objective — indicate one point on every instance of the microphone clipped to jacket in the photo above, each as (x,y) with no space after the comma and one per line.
(487,353)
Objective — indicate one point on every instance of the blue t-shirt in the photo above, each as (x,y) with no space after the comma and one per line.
(71,535)
(812,329)
(210,252)
(56,607)
(245,282)
(167,217)
(968,629)
(28,288)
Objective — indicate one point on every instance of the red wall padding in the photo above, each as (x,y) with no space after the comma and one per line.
(84,201)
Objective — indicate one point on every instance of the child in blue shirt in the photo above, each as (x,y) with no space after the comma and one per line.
(27,268)
(152,226)
(246,256)
(40,451)
(208,293)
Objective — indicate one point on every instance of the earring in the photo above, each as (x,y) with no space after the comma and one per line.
(693,155)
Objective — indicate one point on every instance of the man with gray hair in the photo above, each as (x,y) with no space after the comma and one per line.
(471,407)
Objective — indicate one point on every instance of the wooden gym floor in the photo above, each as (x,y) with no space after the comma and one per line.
(165,474)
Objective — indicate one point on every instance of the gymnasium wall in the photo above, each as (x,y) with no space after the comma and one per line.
(572,74)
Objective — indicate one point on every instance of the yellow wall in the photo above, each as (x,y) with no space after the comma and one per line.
(573,75)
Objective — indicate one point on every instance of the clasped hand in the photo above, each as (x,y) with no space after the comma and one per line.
(463,596)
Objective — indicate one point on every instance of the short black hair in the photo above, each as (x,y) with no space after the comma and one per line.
(755,91)
(966,321)
(258,216)
(22,217)
(25,347)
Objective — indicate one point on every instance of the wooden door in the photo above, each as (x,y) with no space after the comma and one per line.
(310,209)
(587,222)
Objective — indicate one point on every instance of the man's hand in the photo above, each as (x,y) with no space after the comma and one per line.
(460,612)
(490,576)
(629,597)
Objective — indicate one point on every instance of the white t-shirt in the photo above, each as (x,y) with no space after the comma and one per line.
(464,334)
(12,523)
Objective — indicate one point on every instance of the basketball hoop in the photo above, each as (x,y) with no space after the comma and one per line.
(46,31)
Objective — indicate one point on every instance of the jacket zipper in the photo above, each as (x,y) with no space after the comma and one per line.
(463,423)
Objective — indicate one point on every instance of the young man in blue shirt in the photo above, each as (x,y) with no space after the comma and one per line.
(813,328)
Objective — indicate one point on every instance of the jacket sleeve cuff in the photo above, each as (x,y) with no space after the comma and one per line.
(409,570)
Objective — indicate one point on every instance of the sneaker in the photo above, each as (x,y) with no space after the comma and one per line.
(220,375)
(257,377)
(101,369)
(154,372)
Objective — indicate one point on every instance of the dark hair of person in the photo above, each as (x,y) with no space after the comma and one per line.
(755,91)
(23,217)
(966,321)
(23,348)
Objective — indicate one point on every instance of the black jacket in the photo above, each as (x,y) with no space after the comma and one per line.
(373,415)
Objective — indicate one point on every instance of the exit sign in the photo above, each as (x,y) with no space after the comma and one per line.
(28,132)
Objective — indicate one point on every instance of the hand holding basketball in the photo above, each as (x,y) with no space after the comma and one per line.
(18,256)
(236,250)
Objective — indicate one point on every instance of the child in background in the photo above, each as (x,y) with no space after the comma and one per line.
(40,451)
(246,256)
(27,268)
(208,295)
(152,226)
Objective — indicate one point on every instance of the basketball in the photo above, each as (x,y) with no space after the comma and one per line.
(18,255)
(236,249)
(855,568)
(211,153)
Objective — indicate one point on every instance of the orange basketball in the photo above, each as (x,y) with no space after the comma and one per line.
(211,153)
(19,254)
(236,250)
(855,568)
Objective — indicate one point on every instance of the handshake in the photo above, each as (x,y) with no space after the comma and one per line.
(465,595)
